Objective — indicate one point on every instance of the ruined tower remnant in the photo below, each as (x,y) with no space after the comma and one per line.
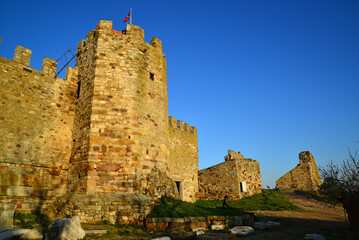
(304,176)
(236,177)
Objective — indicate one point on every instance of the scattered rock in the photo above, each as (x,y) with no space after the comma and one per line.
(5,234)
(217,227)
(242,230)
(314,237)
(69,229)
(266,225)
(32,234)
(199,232)
(162,238)
(199,229)
(99,232)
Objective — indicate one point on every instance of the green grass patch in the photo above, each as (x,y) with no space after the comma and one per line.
(31,220)
(267,200)
(178,209)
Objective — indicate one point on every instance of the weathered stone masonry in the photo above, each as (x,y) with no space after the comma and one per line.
(224,179)
(99,143)
(304,176)
(36,116)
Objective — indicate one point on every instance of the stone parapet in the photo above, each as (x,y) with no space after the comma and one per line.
(22,55)
(49,66)
(180,125)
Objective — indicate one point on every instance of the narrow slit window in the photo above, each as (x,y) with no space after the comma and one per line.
(78,88)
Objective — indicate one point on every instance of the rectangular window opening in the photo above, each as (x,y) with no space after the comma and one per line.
(152,76)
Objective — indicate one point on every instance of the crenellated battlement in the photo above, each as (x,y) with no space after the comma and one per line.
(104,130)
(180,125)
(22,56)
(104,27)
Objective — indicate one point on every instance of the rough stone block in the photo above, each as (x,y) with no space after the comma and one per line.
(159,226)
(217,227)
(20,191)
(195,225)
(9,178)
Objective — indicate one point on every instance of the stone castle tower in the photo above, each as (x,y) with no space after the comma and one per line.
(121,119)
(102,131)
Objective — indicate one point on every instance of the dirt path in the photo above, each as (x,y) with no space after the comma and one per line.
(312,209)
(315,217)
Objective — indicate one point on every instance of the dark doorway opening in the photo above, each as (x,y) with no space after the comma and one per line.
(178,184)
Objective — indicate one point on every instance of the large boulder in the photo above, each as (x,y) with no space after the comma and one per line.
(65,228)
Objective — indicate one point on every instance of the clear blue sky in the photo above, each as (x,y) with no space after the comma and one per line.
(267,78)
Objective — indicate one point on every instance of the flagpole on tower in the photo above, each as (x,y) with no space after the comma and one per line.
(131,16)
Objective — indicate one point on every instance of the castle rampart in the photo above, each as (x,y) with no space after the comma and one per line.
(36,114)
(183,162)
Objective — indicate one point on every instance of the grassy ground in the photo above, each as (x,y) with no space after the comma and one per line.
(267,200)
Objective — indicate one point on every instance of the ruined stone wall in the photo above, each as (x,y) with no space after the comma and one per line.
(121,122)
(219,181)
(304,176)
(183,161)
(248,171)
(36,116)
(224,179)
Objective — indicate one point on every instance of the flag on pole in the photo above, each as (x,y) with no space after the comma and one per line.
(127,17)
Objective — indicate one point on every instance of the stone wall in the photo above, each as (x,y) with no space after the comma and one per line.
(104,131)
(304,176)
(183,161)
(36,114)
(182,224)
(224,179)
(93,208)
